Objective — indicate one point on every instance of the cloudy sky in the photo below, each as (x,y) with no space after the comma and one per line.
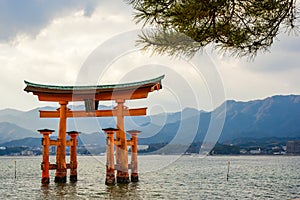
(68,42)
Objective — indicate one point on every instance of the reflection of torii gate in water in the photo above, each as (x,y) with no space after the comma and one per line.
(91,95)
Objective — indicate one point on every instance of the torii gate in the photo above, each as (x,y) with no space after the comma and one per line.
(91,95)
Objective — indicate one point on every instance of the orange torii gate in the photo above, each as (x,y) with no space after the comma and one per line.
(91,95)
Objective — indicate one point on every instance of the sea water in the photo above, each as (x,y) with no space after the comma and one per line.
(161,177)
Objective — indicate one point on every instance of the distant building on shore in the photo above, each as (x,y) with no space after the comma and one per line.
(293,147)
(255,151)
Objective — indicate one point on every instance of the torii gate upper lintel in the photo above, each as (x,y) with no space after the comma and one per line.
(90,95)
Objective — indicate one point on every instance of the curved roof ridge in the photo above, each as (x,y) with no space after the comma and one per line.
(93,87)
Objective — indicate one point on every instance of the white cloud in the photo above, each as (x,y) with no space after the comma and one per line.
(30,16)
(268,74)
(52,49)
(56,53)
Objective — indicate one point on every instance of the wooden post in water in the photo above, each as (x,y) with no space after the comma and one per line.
(227,177)
(61,171)
(134,152)
(110,162)
(45,163)
(73,155)
(15,169)
(122,152)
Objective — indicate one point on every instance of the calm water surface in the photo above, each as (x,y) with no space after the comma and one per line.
(161,177)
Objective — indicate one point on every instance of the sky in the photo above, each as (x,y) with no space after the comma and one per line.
(75,42)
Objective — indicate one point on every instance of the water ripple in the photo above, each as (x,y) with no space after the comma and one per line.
(250,177)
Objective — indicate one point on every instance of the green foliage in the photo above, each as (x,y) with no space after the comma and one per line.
(242,27)
(225,149)
(12,150)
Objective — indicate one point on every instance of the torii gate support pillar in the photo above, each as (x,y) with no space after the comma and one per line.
(134,152)
(110,161)
(73,155)
(45,165)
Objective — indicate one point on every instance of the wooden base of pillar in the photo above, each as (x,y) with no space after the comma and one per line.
(58,179)
(110,179)
(73,178)
(123,177)
(134,177)
(45,181)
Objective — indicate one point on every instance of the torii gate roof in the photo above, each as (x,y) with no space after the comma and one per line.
(134,90)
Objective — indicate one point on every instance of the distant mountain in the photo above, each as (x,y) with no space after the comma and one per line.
(10,112)
(9,132)
(96,139)
(25,142)
(149,124)
(26,119)
(276,116)
(92,139)
(29,120)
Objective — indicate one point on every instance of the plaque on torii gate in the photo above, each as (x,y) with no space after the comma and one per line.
(91,95)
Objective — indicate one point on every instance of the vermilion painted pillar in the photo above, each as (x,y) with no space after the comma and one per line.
(122,153)
(73,155)
(134,153)
(61,171)
(110,162)
(45,163)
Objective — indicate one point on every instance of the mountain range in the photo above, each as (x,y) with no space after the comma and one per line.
(276,116)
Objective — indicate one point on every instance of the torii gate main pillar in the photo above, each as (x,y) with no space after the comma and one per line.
(61,171)
(122,152)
